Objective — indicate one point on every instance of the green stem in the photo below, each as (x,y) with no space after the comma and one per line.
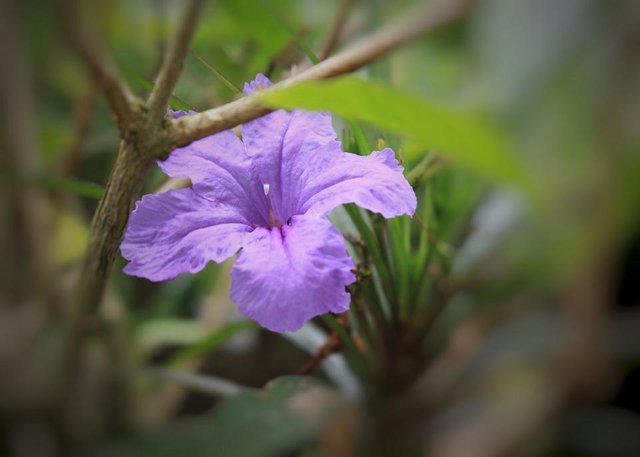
(378,262)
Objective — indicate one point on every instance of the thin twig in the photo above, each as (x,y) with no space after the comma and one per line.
(84,111)
(101,66)
(173,63)
(333,344)
(332,39)
(413,25)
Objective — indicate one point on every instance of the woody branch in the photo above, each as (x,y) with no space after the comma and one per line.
(144,137)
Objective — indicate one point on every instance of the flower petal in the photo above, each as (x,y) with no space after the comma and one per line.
(374,182)
(260,82)
(278,144)
(221,171)
(285,276)
(179,231)
(177,114)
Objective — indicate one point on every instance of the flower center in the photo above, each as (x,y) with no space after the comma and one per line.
(273,220)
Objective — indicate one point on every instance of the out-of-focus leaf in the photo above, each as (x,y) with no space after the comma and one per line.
(288,413)
(212,341)
(56,134)
(175,103)
(73,186)
(600,430)
(518,44)
(468,139)
(296,38)
(255,20)
(204,383)
(70,239)
(216,73)
(169,331)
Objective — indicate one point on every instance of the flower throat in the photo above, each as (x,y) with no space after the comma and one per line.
(273,221)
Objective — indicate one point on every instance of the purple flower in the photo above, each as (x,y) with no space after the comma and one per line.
(268,197)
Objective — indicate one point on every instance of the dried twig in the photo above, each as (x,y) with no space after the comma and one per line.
(102,67)
(416,23)
(172,64)
(332,38)
(333,344)
(83,122)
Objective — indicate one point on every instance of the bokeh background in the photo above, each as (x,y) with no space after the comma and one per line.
(533,346)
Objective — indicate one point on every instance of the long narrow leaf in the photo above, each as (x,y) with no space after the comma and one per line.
(468,139)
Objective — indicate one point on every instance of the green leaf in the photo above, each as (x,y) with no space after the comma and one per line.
(289,413)
(210,342)
(296,38)
(205,383)
(73,186)
(465,138)
(175,102)
(217,73)
(255,20)
(70,239)
(67,185)
(169,331)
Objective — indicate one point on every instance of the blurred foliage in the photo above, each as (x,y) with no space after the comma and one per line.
(519,128)
(286,415)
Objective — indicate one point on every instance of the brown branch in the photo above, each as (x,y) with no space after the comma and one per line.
(101,66)
(126,180)
(331,41)
(411,26)
(173,62)
(143,137)
(106,231)
(333,344)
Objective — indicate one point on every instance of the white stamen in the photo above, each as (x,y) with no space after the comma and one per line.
(265,187)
